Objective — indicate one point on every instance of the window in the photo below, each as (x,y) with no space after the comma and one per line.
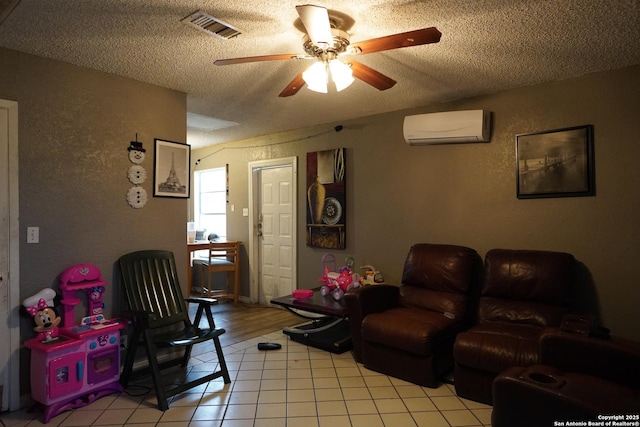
(210,204)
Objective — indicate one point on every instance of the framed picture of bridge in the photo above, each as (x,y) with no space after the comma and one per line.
(555,163)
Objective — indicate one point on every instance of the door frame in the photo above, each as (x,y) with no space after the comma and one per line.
(254,208)
(12,375)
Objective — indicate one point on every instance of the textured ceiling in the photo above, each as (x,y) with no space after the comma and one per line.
(486,46)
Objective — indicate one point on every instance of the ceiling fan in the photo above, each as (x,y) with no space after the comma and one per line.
(325,44)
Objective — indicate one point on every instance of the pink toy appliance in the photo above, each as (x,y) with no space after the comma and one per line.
(83,364)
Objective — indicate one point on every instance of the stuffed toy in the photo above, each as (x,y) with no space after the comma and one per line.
(45,316)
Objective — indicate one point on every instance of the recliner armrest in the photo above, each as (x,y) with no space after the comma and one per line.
(615,359)
(371,299)
(363,301)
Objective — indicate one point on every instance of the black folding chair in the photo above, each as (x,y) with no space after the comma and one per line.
(161,320)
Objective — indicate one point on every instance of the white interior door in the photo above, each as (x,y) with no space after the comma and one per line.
(273,227)
(276,233)
(9,265)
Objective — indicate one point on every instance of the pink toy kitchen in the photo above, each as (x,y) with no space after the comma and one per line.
(73,364)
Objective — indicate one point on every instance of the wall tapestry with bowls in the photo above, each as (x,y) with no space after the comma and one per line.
(326,202)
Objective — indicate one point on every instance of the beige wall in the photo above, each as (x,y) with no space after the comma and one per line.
(466,194)
(75,126)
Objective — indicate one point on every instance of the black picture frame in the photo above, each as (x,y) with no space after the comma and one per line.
(326,199)
(172,169)
(555,163)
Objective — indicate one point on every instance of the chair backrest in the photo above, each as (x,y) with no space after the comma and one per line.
(151,285)
(440,278)
(526,286)
(223,254)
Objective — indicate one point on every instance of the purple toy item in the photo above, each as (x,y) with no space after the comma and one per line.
(337,284)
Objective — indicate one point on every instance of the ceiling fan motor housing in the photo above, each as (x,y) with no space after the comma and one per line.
(338,45)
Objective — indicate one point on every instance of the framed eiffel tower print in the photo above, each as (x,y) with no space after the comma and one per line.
(172,169)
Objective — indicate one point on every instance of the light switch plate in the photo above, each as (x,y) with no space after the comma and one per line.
(33,234)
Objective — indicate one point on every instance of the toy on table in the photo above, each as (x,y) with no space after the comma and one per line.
(371,276)
(337,283)
(45,316)
(300,294)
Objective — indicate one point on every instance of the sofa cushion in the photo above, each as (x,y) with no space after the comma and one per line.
(495,347)
(444,268)
(538,276)
(451,304)
(520,312)
(410,329)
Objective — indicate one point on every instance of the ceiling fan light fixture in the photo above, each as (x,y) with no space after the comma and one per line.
(341,74)
(316,77)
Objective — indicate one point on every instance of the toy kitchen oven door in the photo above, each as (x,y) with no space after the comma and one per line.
(82,364)
(103,357)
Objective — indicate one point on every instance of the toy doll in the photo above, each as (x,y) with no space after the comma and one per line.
(45,316)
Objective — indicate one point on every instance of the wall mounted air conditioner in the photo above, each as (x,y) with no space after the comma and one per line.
(450,127)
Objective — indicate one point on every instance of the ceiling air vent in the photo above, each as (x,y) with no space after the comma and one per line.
(211,25)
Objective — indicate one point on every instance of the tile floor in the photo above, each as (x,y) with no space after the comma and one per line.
(294,386)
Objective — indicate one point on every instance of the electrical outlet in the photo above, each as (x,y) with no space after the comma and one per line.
(33,234)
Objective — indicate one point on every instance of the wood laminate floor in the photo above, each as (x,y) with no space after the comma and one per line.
(244,322)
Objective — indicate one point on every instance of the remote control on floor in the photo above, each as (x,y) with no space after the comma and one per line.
(269,346)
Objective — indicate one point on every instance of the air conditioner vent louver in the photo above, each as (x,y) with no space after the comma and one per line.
(211,25)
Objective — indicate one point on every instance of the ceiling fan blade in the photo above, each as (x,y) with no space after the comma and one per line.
(395,41)
(293,87)
(316,21)
(370,76)
(256,59)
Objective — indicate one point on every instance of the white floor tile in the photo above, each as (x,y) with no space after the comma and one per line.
(296,386)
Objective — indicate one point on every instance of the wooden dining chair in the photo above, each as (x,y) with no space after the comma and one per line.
(224,257)
(161,320)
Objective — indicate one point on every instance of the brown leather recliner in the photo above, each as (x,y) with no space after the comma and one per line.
(580,378)
(408,331)
(523,293)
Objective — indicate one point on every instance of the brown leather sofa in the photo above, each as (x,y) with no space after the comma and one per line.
(408,331)
(580,378)
(523,292)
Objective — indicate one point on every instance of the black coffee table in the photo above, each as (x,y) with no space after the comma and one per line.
(328,332)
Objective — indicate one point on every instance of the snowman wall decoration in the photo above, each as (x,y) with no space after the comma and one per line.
(136,196)
(136,152)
